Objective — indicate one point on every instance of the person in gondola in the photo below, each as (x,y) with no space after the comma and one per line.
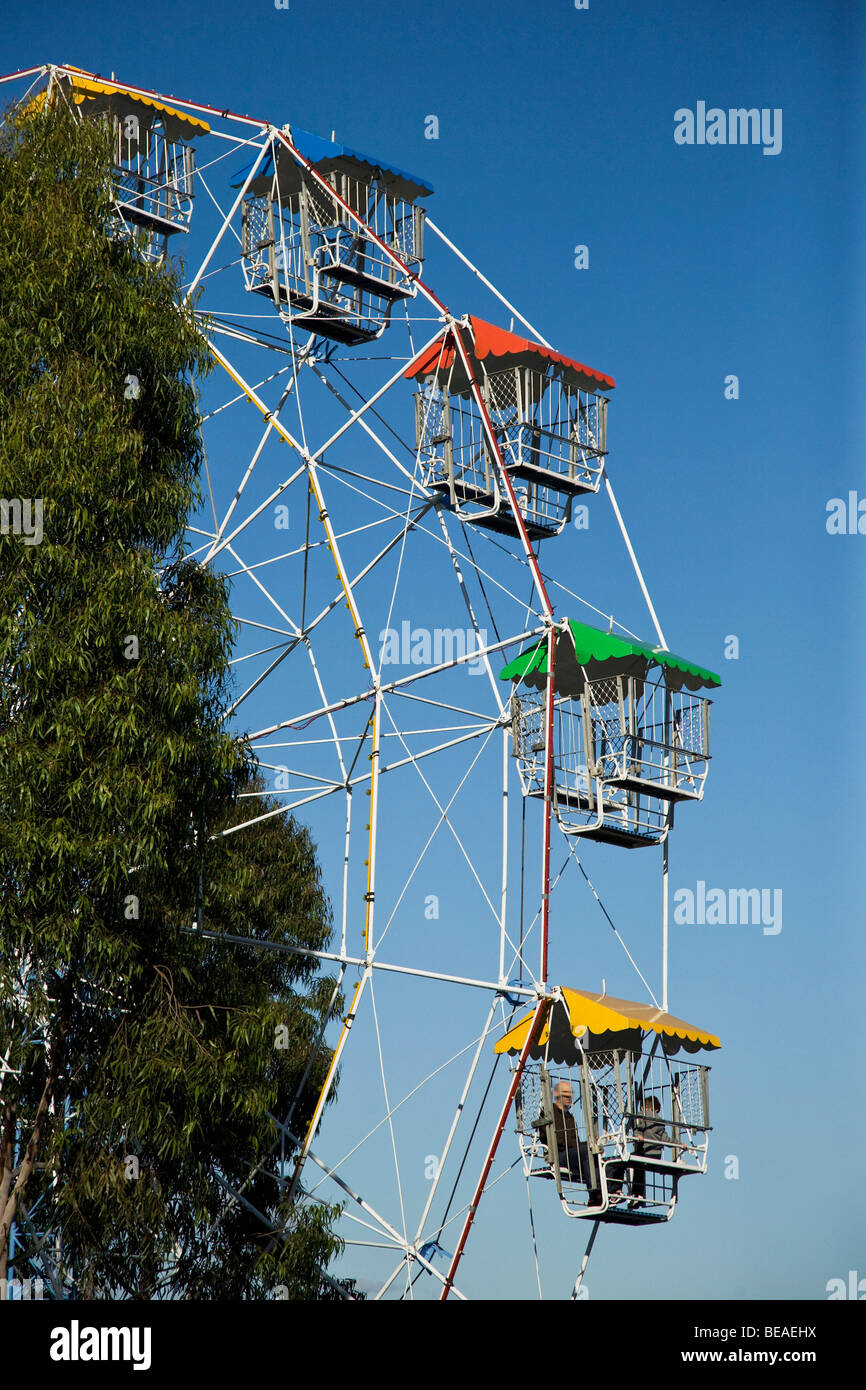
(650,1137)
(560,1128)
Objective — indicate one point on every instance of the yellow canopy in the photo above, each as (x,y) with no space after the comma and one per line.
(601,1020)
(120,101)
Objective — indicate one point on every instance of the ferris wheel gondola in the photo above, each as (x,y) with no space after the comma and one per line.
(153,155)
(548,415)
(618,1063)
(631,737)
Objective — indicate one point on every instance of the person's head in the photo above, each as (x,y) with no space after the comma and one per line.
(563,1094)
(651,1106)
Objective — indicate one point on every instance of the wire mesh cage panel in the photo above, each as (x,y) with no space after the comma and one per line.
(305,250)
(153,182)
(623,750)
(652,1099)
(551,436)
(582,802)
(456,461)
(530,1103)
(397,223)
(645,736)
(546,426)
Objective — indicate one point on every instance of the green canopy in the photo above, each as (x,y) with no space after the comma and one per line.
(597,653)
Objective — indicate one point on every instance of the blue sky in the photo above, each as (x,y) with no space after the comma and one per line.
(556,130)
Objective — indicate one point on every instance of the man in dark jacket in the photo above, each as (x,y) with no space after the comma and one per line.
(572,1151)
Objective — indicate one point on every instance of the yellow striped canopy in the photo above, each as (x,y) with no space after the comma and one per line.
(600,1019)
(108,96)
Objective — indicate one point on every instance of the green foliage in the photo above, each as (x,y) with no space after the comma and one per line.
(142,1070)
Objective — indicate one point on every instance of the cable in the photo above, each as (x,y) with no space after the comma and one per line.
(573,854)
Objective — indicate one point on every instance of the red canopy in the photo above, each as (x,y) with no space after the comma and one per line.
(512,350)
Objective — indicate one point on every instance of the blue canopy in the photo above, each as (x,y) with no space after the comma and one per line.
(326,155)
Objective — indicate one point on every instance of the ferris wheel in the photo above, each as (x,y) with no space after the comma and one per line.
(398,490)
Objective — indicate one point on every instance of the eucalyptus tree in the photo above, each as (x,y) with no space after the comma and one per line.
(142,1061)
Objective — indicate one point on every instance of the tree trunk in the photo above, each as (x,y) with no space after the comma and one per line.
(12,1198)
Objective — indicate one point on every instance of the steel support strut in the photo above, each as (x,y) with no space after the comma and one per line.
(548,800)
(508,487)
(547,608)
(535,1027)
